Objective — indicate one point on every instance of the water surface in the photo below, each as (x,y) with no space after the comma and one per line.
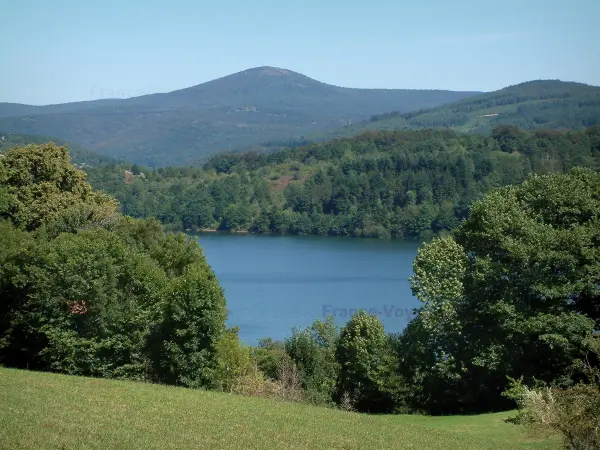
(274,283)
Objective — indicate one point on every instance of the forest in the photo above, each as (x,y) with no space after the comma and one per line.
(385,184)
(509,313)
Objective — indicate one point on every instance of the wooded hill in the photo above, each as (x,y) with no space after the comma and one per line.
(536,104)
(265,107)
(402,184)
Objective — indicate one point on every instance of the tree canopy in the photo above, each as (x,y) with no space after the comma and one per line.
(406,185)
(515,292)
(84,290)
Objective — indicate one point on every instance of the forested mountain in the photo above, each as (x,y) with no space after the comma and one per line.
(536,104)
(403,184)
(18,109)
(258,106)
(79,155)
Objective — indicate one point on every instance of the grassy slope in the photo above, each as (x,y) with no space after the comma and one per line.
(43,410)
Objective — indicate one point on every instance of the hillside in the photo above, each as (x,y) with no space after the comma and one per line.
(250,108)
(402,184)
(43,410)
(79,155)
(536,104)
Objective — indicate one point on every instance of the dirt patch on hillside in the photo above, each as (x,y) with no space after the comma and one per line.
(279,185)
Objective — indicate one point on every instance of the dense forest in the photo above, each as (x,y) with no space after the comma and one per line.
(403,184)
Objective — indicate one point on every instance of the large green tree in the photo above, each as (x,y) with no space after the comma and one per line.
(40,186)
(86,291)
(515,292)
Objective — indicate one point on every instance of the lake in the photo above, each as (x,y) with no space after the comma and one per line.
(275,283)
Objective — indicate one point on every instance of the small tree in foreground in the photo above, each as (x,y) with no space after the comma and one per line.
(367,366)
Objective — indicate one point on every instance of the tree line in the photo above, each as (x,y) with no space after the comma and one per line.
(402,184)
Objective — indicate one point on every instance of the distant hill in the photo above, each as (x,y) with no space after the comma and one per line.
(79,155)
(18,109)
(259,106)
(536,104)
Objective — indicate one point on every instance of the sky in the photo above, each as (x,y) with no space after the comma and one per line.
(71,50)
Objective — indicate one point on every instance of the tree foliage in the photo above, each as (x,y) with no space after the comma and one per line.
(313,351)
(40,186)
(407,185)
(86,291)
(367,365)
(514,293)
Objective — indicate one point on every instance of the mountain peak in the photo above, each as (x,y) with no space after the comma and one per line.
(272,71)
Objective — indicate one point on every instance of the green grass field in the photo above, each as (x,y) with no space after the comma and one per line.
(43,410)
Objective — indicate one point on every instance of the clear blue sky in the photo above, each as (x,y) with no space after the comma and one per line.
(67,50)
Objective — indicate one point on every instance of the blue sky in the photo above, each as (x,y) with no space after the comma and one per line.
(68,50)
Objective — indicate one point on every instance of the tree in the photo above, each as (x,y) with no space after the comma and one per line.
(313,352)
(233,360)
(40,186)
(84,290)
(516,292)
(367,365)
(191,320)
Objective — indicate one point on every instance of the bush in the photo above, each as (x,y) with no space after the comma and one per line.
(255,384)
(234,361)
(367,378)
(269,356)
(313,352)
(575,412)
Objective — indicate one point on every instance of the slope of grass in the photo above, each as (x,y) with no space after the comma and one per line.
(43,410)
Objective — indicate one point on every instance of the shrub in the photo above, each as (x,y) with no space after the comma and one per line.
(575,412)
(313,352)
(268,356)
(234,361)
(368,366)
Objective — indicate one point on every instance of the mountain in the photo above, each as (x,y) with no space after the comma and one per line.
(259,106)
(550,104)
(79,155)
(18,109)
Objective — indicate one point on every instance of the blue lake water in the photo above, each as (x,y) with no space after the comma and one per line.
(274,283)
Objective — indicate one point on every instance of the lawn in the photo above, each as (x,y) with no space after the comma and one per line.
(43,410)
